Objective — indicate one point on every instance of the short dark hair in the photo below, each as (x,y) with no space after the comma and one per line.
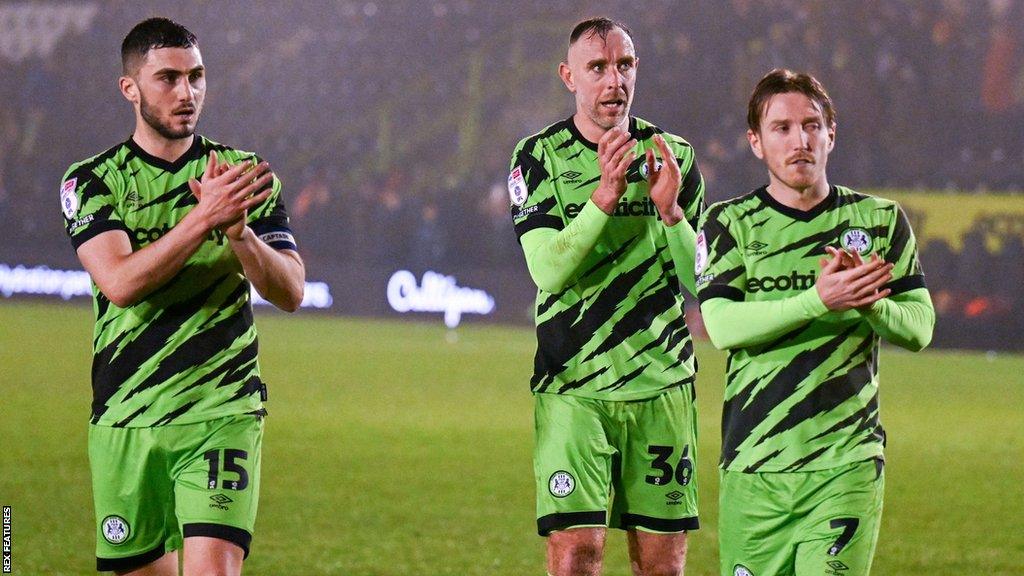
(600,27)
(153,33)
(782,81)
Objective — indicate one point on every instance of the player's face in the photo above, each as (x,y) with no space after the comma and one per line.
(601,73)
(794,141)
(171,86)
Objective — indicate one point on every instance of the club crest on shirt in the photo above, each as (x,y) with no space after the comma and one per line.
(561,484)
(517,186)
(741,570)
(856,240)
(115,529)
(68,199)
(645,172)
(700,260)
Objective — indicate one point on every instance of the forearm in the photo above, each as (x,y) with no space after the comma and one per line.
(125,276)
(682,245)
(278,275)
(733,324)
(554,257)
(906,320)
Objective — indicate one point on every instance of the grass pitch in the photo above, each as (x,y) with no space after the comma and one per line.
(394,449)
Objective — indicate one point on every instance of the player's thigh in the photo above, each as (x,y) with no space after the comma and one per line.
(133,498)
(576,551)
(572,463)
(841,532)
(653,554)
(656,485)
(204,555)
(757,529)
(217,484)
(166,565)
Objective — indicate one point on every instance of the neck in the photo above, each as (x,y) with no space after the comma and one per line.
(153,143)
(591,131)
(799,198)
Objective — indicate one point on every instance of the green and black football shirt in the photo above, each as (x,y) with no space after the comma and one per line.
(808,400)
(186,352)
(617,331)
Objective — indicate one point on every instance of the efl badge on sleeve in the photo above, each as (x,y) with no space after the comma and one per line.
(856,240)
(517,186)
(700,260)
(68,199)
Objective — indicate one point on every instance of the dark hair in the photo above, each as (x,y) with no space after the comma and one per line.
(782,81)
(597,26)
(153,33)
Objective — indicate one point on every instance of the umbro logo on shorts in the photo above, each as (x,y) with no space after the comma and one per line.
(836,568)
(220,501)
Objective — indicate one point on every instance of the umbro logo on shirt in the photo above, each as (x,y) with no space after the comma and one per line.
(570,177)
(756,248)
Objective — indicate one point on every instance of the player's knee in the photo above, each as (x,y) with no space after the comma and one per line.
(666,564)
(210,570)
(576,554)
(664,567)
(583,558)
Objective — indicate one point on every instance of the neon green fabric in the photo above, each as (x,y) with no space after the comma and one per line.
(740,324)
(553,256)
(609,306)
(905,320)
(682,244)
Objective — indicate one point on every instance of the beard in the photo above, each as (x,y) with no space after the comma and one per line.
(163,128)
(601,117)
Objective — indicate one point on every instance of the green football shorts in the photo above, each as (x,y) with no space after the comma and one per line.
(628,465)
(154,486)
(821,523)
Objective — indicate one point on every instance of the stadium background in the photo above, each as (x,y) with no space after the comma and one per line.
(391,124)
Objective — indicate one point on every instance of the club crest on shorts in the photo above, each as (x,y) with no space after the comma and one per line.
(68,199)
(561,484)
(741,570)
(115,529)
(856,240)
(517,186)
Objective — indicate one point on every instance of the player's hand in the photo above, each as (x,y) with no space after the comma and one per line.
(614,154)
(846,260)
(663,183)
(236,228)
(226,193)
(852,260)
(857,286)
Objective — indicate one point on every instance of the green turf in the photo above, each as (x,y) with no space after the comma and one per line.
(392,450)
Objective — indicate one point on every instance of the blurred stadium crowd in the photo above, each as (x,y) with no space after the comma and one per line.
(391,123)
